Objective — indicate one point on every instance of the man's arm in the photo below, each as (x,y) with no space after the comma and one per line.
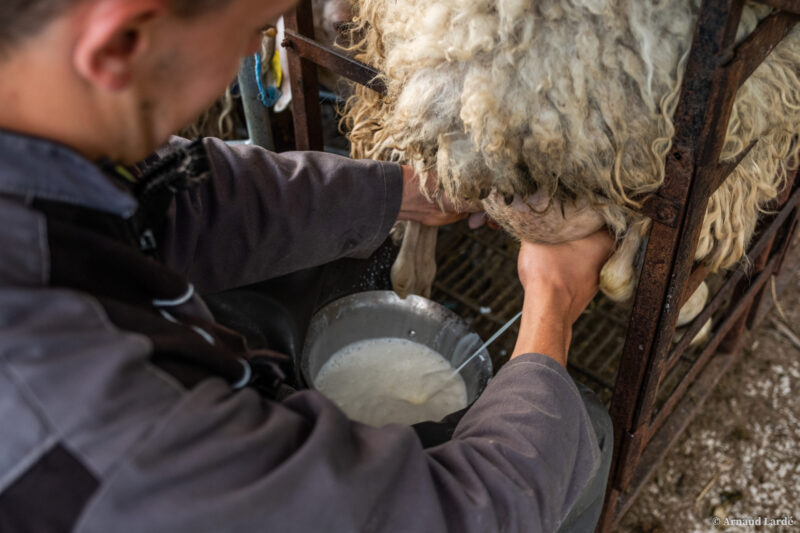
(230,461)
(262,215)
(164,458)
(559,281)
(223,461)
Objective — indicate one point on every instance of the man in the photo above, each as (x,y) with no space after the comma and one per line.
(125,407)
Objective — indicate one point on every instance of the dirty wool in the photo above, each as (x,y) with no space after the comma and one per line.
(558,115)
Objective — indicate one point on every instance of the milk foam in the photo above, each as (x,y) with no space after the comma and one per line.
(391,381)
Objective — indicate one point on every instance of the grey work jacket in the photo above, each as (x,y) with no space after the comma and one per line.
(97,437)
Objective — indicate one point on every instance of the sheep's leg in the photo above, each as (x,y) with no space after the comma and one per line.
(397,233)
(426,261)
(617,278)
(404,273)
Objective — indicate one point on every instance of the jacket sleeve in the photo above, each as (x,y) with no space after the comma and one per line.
(262,214)
(223,461)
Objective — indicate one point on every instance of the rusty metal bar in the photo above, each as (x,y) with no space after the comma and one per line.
(687,398)
(705,103)
(776,242)
(743,296)
(724,169)
(782,242)
(307,115)
(698,276)
(740,310)
(334,60)
(757,46)
(731,341)
(744,61)
(759,305)
(793,230)
(668,434)
(792,6)
(666,211)
(659,209)
(762,245)
(740,297)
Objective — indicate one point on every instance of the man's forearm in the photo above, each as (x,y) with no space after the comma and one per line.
(545,326)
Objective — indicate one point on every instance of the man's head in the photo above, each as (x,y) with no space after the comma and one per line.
(117,77)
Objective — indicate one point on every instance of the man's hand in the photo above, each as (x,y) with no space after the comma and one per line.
(559,281)
(417,208)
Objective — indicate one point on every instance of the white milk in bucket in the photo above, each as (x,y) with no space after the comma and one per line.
(391,381)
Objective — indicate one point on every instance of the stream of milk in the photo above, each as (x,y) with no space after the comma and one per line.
(391,381)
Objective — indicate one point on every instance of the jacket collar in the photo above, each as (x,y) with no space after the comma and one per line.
(35,168)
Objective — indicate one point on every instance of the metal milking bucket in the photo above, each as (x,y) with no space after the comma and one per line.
(379,314)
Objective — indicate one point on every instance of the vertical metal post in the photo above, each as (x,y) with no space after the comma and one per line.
(700,121)
(305,85)
(715,70)
(259,127)
(706,99)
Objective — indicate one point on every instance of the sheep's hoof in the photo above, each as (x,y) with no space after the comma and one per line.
(401,283)
(402,278)
(701,338)
(397,233)
(617,282)
(694,305)
(402,292)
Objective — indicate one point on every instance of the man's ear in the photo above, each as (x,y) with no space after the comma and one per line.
(113,33)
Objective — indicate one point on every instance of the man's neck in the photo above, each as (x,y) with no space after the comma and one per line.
(32,106)
(42,96)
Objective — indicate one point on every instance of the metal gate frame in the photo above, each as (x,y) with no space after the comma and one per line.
(716,68)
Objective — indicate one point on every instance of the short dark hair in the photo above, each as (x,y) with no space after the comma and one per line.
(21,19)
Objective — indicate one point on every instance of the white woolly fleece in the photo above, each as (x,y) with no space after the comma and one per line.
(572,99)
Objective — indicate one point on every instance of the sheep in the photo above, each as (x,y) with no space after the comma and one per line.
(557,115)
